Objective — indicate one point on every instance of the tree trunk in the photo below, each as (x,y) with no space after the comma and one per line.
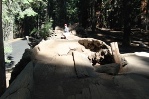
(93,17)
(50,8)
(147,15)
(62,12)
(127,22)
(2,65)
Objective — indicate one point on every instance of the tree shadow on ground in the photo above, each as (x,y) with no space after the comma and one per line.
(140,40)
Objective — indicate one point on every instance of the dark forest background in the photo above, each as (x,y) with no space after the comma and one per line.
(34,16)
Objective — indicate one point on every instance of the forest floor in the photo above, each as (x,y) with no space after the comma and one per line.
(139,41)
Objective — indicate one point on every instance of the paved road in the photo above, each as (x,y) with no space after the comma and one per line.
(18,46)
(138,63)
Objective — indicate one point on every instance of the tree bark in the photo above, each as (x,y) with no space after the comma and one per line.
(127,22)
(2,65)
(147,15)
(93,17)
(62,12)
(50,8)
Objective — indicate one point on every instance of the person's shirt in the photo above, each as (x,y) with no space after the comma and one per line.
(66,30)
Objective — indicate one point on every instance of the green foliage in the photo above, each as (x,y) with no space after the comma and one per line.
(7,48)
(29,15)
(6,14)
(28,12)
(18,8)
(44,30)
(63,11)
(72,10)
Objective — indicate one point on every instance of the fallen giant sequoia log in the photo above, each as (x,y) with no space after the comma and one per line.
(58,66)
(94,53)
(89,52)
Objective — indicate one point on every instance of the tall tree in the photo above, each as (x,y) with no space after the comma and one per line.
(147,15)
(61,12)
(127,11)
(83,12)
(93,16)
(72,11)
(2,65)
